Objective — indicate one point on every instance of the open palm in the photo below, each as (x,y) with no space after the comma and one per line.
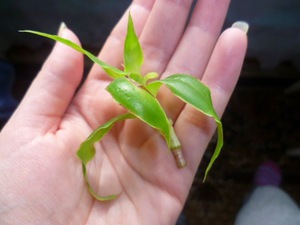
(41,177)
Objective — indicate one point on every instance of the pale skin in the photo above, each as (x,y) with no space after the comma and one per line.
(41,177)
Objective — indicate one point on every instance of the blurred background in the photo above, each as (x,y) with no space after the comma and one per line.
(262,119)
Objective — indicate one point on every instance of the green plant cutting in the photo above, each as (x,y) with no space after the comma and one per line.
(137,93)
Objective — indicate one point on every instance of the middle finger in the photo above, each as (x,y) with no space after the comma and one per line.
(195,48)
(162,33)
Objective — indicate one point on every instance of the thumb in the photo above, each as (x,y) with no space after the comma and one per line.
(53,89)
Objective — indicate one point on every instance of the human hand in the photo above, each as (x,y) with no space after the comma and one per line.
(42,180)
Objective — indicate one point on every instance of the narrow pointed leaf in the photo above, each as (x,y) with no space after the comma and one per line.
(86,151)
(112,71)
(140,103)
(192,91)
(133,53)
(217,149)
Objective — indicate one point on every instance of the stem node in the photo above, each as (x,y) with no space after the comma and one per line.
(179,158)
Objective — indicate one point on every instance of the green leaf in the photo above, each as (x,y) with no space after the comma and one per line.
(133,53)
(150,76)
(217,149)
(86,151)
(140,103)
(192,91)
(112,71)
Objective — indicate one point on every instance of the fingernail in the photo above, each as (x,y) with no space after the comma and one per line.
(61,28)
(243,26)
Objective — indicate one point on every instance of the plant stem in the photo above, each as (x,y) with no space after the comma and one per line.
(175,147)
